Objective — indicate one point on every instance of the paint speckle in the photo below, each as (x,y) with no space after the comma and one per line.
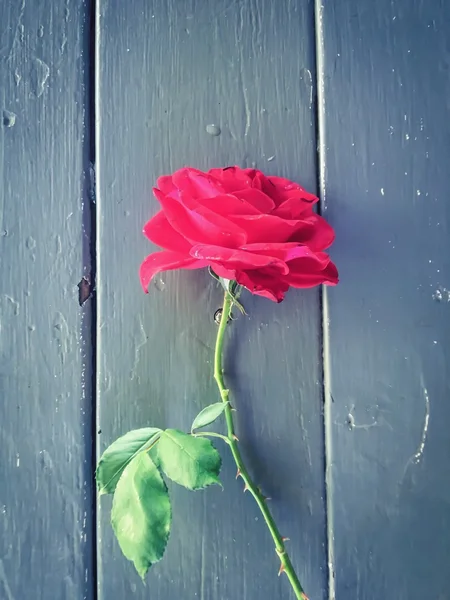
(30,243)
(213,129)
(9,118)
(271,158)
(62,336)
(382,191)
(441,294)
(12,305)
(39,74)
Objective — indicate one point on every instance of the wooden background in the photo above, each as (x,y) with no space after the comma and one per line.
(343,395)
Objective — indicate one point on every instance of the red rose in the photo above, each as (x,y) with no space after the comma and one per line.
(260,231)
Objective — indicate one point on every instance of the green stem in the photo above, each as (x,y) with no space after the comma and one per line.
(286,565)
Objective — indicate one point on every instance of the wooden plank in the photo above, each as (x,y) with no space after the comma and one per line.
(45,410)
(386,141)
(167,71)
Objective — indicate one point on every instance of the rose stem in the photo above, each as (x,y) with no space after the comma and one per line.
(280,548)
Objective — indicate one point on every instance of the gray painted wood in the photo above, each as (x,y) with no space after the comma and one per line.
(167,70)
(45,408)
(386,121)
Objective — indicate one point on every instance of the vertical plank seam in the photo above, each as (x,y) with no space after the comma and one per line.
(96,7)
(91,108)
(321,161)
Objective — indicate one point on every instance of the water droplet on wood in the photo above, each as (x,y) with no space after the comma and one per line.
(213,129)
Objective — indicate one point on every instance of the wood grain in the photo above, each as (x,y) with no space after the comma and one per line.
(170,75)
(45,409)
(385,146)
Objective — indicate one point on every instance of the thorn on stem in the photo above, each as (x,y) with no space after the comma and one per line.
(282,569)
(285,539)
(245,487)
(235,437)
(238,474)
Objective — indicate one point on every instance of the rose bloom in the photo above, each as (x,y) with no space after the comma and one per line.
(258,230)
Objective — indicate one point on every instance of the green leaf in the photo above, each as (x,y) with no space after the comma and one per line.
(190,461)
(141,513)
(116,457)
(208,415)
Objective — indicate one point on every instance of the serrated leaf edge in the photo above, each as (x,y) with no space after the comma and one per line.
(143,574)
(201,487)
(103,490)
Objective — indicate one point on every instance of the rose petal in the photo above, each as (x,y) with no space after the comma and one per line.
(256,198)
(281,189)
(307,272)
(232,178)
(197,184)
(236,259)
(165,261)
(229,204)
(263,283)
(165,184)
(266,228)
(286,251)
(159,231)
(295,207)
(198,224)
(315,232)
(222,271)
(259,179)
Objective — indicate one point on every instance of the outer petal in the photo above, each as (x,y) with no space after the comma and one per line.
(197,184)
(309,272)
(314,232)
(159,231)
(165,184)
(199,224)
(295,207)
(165,261)
(263,283)
(287,251)
(235,259)
(222,271)
(281,189)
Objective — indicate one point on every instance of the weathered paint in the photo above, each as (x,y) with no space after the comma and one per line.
(386,142)
(208,84)
(211,83)
(46,528)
